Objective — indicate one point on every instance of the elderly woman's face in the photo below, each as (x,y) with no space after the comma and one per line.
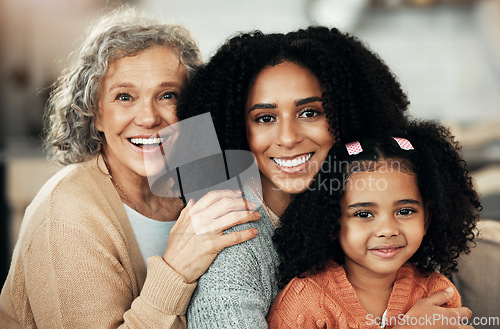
(287,129)
(138,98)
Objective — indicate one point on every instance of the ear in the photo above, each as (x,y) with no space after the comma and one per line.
(335,235)
(97,121)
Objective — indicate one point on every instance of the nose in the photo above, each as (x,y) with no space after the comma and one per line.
(148,115)
(289,133)
(387,227)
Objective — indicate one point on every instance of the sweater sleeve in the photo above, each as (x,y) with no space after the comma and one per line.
(238,287)
(74,280)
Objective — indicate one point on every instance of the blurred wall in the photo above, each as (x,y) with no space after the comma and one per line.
(444,57)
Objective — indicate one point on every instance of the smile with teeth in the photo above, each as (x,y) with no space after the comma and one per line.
(387,252)
(292,163)
(147,141)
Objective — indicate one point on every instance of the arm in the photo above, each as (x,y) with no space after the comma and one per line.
(80,275)
(73,279)
(239,286)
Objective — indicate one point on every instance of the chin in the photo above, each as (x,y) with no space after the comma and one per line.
(154,169)
(295,186)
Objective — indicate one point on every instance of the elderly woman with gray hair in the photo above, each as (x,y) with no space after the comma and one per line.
(92,252)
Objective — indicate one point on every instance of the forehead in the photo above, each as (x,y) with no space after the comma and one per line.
(381,186)
(286,76)
(156,62)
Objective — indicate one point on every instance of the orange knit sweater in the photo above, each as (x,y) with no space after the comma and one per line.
(328,300)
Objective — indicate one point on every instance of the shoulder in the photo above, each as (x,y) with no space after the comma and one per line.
(75,180)
(253,257)
(310,289)
(432,282)
(246,272)
(297,291)
(438,282)
(73,189)
(300,304)
(256,249)
(78,195)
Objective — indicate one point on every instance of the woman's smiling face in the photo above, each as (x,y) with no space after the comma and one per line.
(138,99)
(287,129)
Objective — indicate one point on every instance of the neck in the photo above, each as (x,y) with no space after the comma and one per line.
(373,289)
(366,280)
(135,186)
(134,190)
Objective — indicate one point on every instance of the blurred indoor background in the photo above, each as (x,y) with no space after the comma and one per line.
(446,54)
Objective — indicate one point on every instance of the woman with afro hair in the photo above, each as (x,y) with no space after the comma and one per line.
(407,211)
(287,98)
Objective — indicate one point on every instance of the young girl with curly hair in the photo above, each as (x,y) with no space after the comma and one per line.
(407,211)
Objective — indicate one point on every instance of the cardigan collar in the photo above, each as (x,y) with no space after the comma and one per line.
(99,172)
(350,302)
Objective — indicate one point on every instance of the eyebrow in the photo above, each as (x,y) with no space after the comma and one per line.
(361,205)
(371,204)
(262,106)
(308,100)
(131,85)
(407,201)
(300,102)
(121,85)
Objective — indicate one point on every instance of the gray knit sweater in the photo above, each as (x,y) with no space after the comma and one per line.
(240,285)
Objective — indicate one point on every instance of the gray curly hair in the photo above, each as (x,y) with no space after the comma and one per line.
(70,134)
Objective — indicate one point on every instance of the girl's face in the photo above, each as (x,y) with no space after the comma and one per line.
(287,130)
(138,98)
(382,222)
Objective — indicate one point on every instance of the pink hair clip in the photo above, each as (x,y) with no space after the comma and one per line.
(354,148)
(403,143)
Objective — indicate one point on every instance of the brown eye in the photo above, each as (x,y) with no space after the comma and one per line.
(405,212)
(265,118)
(363,214)
(309,113)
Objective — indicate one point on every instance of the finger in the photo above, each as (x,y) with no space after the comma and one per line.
(441,297)
(235,218)
(213,196)
(224,206)
(463,312)
(231,239)
(184,213)
(227,221)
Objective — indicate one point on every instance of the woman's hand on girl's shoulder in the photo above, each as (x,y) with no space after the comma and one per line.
(433,315)
(197,237)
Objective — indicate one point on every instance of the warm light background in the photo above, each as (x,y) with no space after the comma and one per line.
(446,54)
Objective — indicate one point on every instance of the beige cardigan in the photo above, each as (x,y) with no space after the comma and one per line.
(77,263)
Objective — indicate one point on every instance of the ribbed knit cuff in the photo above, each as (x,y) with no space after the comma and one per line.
(165,288)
